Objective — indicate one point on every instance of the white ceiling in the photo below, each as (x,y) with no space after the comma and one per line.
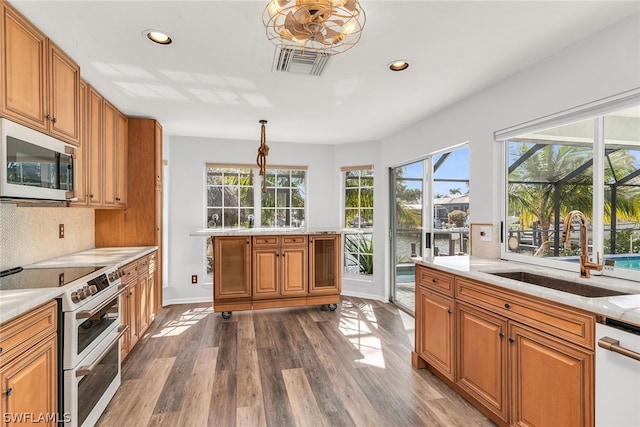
(215,80)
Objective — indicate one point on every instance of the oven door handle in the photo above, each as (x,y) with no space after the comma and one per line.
(88,313)
(86,370)
(614,345)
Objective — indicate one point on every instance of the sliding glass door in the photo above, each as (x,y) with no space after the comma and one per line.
(429,202)
(407,212)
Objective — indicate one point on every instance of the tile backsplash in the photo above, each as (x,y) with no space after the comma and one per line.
(30,234)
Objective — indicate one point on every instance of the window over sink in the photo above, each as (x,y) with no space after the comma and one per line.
(587,160)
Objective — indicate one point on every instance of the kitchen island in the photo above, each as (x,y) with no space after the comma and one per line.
(269,268)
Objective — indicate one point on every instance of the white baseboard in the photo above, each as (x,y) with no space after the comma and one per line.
(194,300)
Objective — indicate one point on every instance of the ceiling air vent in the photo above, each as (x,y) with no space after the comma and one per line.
(292,60)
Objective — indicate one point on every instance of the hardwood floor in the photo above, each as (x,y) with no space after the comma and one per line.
(283,367)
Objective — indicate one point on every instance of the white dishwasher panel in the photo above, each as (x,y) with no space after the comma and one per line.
(617,380)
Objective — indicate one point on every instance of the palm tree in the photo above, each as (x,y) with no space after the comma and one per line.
(560,175)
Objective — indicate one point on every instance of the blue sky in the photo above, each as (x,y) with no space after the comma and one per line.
(455,167)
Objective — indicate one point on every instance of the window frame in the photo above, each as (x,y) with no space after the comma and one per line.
(595,111)
(358,232)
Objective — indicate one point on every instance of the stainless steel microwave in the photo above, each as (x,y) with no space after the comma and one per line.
(34,165)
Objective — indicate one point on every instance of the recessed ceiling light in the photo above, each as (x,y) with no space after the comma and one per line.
(398,65)
(158,37)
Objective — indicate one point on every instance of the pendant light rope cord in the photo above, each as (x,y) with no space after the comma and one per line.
(263,152)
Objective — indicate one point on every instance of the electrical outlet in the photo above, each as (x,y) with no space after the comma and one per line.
(61,231)
(194,279)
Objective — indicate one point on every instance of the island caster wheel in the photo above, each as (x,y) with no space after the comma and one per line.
(226,315)
(333,307)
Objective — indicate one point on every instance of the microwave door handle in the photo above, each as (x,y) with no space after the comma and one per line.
(86,370)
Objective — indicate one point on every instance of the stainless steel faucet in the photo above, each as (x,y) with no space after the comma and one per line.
(585,263)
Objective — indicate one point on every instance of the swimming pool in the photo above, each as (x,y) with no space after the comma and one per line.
(631,262)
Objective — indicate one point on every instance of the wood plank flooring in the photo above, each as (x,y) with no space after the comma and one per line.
(283,367)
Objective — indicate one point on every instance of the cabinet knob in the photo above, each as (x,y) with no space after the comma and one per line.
(0,349)
(449,311)
(511,339)
(91,196)
(501,335)
(9,391)
(48,117)
(54,120)
(433,280)
(506,305)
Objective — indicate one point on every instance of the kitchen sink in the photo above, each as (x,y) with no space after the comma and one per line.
(584,290)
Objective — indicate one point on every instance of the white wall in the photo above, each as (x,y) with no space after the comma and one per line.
(603,65)
(187,157)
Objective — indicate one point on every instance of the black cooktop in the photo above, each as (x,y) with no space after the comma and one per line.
(29,278)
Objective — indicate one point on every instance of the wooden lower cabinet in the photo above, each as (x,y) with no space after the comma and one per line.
(551,381)
(435,344)
(138,301)
(279,266)
(537,374)
(29,367)
(482,358)
(267,271)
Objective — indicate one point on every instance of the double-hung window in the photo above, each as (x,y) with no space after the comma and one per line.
(234,199)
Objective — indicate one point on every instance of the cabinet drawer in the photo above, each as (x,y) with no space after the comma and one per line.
(435,280)
(152,262)
(294,240)
(130,272)
(563,322)
(19,334)
(143,265)
(265,240)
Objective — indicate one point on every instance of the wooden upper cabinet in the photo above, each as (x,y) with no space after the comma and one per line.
(158,153)
(109,122)
(122,130)
(81,159)
(64,83)
(40,84)
(94,148)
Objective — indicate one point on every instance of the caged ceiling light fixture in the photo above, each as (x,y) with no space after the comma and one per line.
(330,26)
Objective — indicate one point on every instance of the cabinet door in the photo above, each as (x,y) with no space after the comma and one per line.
(266,272)
(151,296)
(551,381)
(158,154)
(482,357)
(24,94)
(134,315)
(64,84)
(109,123)
(125,320)
(294,263)
(324,264)
(121,161)
(94,147)
(142,307)
(435,330)
(29,383)
(232,267)
(81,164)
